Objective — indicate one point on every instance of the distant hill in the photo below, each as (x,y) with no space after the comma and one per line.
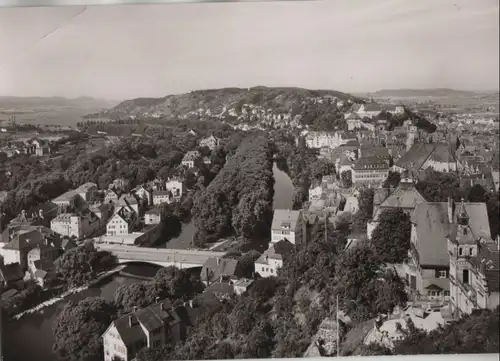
(436,92)
(30,102)
(218,101)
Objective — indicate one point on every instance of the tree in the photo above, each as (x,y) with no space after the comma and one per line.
(320,168)
(391,237)
(346,177)
(78,329)
(392,180)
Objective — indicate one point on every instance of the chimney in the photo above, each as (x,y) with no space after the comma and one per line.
(161,306)
(130,323)
(135,308)
(218,261)
(157,299)
(191,303)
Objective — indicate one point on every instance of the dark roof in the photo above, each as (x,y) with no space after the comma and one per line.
(371,162)
(215,268)
(25,240)
(11,272)
(154,210)
(220,287)
(404,196)
(488,262)
(418,154)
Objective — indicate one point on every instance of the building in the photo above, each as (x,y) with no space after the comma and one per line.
(271,260)
(110,196)
(369,110)
(242,285)
(120,184)
(69,201)
(191,158)
(122,222)
(428,267)
(103,211)
(151,327)
(328,139)
(404,197)
(144,194)
(37,147)
(220,269)
(153,216)
(21,242)
(176,186)
(287,224)
(474,267)
(11,275)
(353,121)
(370,171)
(160,197)
(421,156)
(75,225)
(88,192)
(211,142)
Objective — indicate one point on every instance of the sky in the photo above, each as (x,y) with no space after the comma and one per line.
(128,51)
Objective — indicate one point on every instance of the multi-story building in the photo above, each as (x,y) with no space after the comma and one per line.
(75,225)
(153,216)
(474,267)
(211,142)
(151,327)
(271,260)
(176,186)
(370,171)
(428,266)
(421,156)
(190,158)
(88,191)
(69,201)
(144,194)
(122,222)
(328,139)
(287,224)
(160,197)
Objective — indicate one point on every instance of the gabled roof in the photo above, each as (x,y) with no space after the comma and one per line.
(371,162)
(418,154)
(404,196)
(11,272)
(285,218)
(214,268)
(276,251)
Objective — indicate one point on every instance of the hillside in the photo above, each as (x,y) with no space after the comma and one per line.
(436,92)
(228,101)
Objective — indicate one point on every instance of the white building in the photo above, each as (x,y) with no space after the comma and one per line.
(70,225)
(153,216)
(121,223)
(286,225)
(211,142)
(271,260)
(160,197)
(176,186)
(190,158)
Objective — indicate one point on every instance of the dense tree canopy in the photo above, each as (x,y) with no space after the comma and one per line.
(391,237)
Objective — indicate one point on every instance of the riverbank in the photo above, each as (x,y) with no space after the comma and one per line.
(69,292)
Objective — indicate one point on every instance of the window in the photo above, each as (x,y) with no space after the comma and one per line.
(460,251)
(470,251)
(443,274)
(465,276)
(447,293)
(156,344)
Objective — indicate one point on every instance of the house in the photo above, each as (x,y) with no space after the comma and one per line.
(353,121)
(190,158)
(428,267)
(153,216)
(272,259)
(129,202)
(21,242)
(75,225)
(328,139)
(120,184)
(421,156)
(144,194)
(176,186)
(220,269)
(474,267)
(369,110)
(404,197)
(43,252)
(221,290)
(11,275)
(370,171)
(103,211)
(69,201)
(242,285)
(121,223)
(287,224)
(160,197)
(151,327)
(211,142)
(37,147)
(88,191)
(110,196)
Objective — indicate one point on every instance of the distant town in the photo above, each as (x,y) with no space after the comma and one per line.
(252,223)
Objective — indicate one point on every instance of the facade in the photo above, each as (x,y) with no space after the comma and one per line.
(353,121)
(75,225)
(160,197)
(370,171)
(110,196)
(153,216)
(474,268)
(176,186)
(328,139)
(211,142)
(220,269)
(88,192)
(287,224)
(151,327)
(428,268)
(37,147)
(271,260)
(21,242)
(369,110)
(68,201)
(121,223)
(145,195)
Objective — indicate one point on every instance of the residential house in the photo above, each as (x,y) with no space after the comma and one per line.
(353,121)
(144,194)
(328,139)
(404,197)
(211,142)
(88,192)
(220,269)
(421,156)
(103,211)
(11,275)
(221,290)
(369,110)
(153,216)
(128,201)
(272,259)
(120,184)
(176,186)
(287,224)
(474,265)
(77,225)
(370,171)
(428,265)
(242,285)
(110,196)
(151,327)
(20,243)
(190,158)
(160,197)
(41,263)
(122,222)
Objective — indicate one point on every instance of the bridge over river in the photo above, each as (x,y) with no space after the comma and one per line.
(180,258)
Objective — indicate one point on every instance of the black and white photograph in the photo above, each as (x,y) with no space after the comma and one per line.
(244,180)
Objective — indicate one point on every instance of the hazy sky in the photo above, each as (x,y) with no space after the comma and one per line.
(129,51)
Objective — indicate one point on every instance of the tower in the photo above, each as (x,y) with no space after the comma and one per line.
(411,136)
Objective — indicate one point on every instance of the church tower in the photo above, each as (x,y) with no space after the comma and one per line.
(411,136)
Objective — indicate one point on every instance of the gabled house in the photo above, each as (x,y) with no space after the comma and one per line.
(69,201)
(160,197)
(122,222)
(76,225)
(421,156)
(211,142)
(370,171)
(110,196)
(191,158)
(176,186)
(151,327)
(287,224)
(144,194)
(272,259)
(88,191)
(153,216)
(369,110)
(428,266)
(353,121)
(20,243)
(220,269)
(128,201)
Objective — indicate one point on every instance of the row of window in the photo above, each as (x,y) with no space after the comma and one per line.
(438,293)
(267,269)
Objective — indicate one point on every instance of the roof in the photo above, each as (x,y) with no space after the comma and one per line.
(191,155)
(86,187)
(404,196)
(161,193)
(432,228)
(40,273)
(154,210)
(373,107)
(64,217)
(285,218)
(11,272)
(214,268)
(220,287)
(371,163)
(376,151)
(352,116)
(489,258)
(66,197)
(276,251)
(25,239)
(418,154)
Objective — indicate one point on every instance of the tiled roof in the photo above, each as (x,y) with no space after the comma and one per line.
(220,287)
(66,197)
(488,262)
(214,268)
(25,239)
(404,196)
(276,251)
(11,272)
(416,156)
(285,217)
(371,162)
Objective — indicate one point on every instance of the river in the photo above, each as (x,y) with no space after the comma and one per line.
(30,338)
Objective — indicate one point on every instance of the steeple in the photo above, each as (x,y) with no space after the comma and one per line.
(462,217)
